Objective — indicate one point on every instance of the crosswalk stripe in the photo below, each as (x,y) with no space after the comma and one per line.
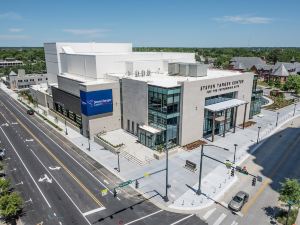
(234,223)
(208,213)
(220,219)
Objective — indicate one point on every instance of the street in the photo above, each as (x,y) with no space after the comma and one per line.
(61,185)
(277,158)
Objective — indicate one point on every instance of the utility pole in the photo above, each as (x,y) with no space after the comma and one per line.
(258,135)
(200,171)
(235,145)
(277,119)
(119,168)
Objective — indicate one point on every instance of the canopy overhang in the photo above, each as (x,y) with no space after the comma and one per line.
(225,105)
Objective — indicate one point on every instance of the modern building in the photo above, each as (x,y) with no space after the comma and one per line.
(23,81)
(161,97)
(10,62)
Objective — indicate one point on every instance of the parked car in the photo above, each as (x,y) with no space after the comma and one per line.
(30,111)
(2,153)
(238,201)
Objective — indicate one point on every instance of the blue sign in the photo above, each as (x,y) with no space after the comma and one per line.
(96,102)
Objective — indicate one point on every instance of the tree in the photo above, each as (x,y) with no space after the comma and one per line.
(290,191)
(10,205)
(293,83)
(4,186)
(277,83)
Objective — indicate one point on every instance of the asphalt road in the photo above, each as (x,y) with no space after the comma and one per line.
(277,158)
(61,185)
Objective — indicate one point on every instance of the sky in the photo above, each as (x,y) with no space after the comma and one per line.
(152,23)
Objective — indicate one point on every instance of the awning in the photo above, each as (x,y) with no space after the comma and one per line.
(149,129)
(225,105)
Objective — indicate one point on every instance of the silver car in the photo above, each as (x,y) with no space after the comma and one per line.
(2,153)
(238,201)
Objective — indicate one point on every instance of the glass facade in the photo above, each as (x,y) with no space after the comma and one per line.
(163,114)
(68,113)
(256,99)
(208,115)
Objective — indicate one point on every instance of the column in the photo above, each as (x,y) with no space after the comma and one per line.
(225,121)
(245,115)
(235,115)
(213,127)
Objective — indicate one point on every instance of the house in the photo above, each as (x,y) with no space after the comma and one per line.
(245,63)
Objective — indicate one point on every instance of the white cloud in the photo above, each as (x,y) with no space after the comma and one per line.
(15,30)
(10,16)
(245,19)
(87,32)
(10,37)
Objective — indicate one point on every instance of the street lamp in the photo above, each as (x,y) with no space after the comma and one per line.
(235,145)
(258,135)
(88,137)
(198,192)
(66,132)
(295,109)
(118,168)
(166,198)
(277,119)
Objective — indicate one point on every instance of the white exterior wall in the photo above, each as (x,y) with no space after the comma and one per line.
(193,102)
(107,121)
(69,85)
(135,103)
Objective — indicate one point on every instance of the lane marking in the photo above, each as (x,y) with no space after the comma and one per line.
(86,190)
(45,178)
(269,180)
(220,219)
(208,213)
(133,221)
(185,218)
(234,223)
(60,186)
(93,211)
(105,181)
(56,144)
(54,168)
(26,168)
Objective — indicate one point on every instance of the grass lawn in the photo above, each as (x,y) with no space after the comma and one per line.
(281,217)
(279,102)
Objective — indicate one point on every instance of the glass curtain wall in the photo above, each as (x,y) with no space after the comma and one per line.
(163,113)
(256,99)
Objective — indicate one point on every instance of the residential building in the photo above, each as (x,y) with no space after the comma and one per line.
(10,62)
(245,63)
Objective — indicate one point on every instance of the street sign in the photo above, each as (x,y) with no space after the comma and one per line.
(104,192)
(126,183)
(146,174)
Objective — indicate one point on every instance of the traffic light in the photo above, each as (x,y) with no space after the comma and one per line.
(136,184)
(115,193)
(253,181)
(232,172)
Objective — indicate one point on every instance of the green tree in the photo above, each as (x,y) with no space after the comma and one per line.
(4,186)
(277,83)
(271,83)
(290,191)
(10,205)
(293,83)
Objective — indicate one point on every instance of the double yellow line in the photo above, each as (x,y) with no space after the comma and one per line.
(86,190)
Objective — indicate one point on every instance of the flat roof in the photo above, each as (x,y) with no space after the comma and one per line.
(225,105)
(168,81)
(150,129)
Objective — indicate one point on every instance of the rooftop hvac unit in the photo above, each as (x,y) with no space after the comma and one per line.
(136,73)
(148,72)
(143,73)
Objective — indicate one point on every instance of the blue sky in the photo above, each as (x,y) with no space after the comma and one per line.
(171,23)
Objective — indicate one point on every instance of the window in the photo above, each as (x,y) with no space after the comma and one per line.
(137,128)
(132,127)
(128,125)
(20,80)
(31,79)
(39,79)
(25,80)
(46,78)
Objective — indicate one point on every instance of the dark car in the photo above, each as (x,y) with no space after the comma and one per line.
(2,153)
(30,111)
(238,201)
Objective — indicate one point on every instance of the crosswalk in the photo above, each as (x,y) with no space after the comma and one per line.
(215,217)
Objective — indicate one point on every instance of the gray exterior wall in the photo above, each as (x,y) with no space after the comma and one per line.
(42,98)
(21,82)
(69,85)
(193,102)
(107,121)
(135,103)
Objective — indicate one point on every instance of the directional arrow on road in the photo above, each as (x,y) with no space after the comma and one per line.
(28,140)
(54,168)
(45,178)
(4,125)
(14,123)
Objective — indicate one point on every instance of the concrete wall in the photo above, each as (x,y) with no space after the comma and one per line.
(193,102)
(135,103)
(41,97)
(106,121)
(69,85)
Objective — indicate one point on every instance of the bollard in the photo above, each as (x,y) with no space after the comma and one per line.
(225,181)
(192,202)
(220,185)
(182,202)
(201,200)
(215,190)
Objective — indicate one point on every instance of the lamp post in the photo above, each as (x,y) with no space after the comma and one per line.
(119,168)
(88,137)
(166,198)
(277,119)
(258,135)
(289,210)
(66,132)
(295,105)
(198,192)
(235,145)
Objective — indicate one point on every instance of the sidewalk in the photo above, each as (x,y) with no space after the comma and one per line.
(216,178)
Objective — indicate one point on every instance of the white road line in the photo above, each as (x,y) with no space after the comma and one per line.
(60,186)
(105,181)
(26,168)
(93,211)
(220,219)
(133,221)
(208,213)
(185,218)
(234,223)
(4,117)
(61,148)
